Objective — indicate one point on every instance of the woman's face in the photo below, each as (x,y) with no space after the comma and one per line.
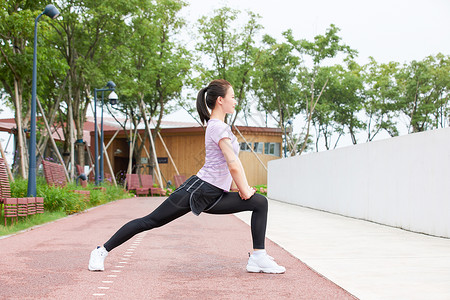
(228,101)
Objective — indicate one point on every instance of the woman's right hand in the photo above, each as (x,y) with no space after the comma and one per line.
(247,194)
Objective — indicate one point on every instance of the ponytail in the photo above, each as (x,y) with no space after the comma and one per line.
(207,97)
(202,110)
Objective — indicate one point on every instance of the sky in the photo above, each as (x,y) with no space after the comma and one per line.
(388,30)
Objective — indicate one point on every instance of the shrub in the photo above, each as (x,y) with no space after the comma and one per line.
(64,199)
(261,189)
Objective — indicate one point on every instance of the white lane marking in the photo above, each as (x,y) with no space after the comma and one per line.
(127,254)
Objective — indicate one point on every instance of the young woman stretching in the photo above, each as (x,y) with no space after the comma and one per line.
(208,191)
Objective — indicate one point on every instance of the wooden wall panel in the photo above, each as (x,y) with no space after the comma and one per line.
(188,152)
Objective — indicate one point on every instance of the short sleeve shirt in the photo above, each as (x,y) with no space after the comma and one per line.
(215,170)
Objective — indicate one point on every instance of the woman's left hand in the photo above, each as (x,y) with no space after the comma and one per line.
(248,194)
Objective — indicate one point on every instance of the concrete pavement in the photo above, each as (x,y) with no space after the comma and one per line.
(369,260)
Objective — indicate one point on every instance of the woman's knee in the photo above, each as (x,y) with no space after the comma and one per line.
(260,201)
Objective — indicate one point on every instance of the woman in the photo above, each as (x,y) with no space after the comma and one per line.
(208,191)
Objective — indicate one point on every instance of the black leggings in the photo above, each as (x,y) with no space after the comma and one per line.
(175,207)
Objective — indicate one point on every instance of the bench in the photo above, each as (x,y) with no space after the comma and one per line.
(16,207)
(147,182)
(55,175)
(142,185)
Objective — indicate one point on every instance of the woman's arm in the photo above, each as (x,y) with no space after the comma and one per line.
(236,169)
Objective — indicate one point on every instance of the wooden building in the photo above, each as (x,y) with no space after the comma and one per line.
(186,145)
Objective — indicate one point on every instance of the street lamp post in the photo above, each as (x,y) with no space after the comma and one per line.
(110,86)
(52,12)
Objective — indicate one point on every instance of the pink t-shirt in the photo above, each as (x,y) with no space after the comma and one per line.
(215,170)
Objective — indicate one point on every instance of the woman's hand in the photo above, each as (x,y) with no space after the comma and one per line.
(245,195)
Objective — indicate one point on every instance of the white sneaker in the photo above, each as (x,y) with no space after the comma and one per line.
(97,259)
(263,263)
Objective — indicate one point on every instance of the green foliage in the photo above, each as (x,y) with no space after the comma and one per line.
(153,66)
(340,102)
(65,199)
(230,49)
(424,92)
(323,46)
(275,83)
(380,96)
(26,223)
(261,189)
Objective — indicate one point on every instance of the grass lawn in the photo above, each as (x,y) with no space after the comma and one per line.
(25,223)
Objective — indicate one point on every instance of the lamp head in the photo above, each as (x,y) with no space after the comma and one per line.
(113,98)
(110,84)
(51,11)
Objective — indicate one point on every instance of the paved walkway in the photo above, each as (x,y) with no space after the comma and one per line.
(191,258)
(369,260)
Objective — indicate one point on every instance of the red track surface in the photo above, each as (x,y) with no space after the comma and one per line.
(191,258)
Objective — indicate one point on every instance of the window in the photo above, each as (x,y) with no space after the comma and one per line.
(272,148)
(258,147)
(245,147)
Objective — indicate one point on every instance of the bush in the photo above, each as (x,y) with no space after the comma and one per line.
(65,199)
(261,189)
(106,193)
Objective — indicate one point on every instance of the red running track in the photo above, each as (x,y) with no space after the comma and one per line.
(191,258)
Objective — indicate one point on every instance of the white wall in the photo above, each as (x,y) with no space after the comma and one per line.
(402,181)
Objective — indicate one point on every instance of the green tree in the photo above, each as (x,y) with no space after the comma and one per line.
(275,83)
(156,65)
(380,95)
(16,48)
(423,87)
(231,50)
(323,47)
(345,95)
(440,82)
(89,37)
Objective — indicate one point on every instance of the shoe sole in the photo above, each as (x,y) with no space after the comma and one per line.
(95,269)
(251,269)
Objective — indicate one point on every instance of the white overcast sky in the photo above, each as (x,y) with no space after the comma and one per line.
(388,30)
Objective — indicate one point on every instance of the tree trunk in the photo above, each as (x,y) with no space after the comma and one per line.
(18,119)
